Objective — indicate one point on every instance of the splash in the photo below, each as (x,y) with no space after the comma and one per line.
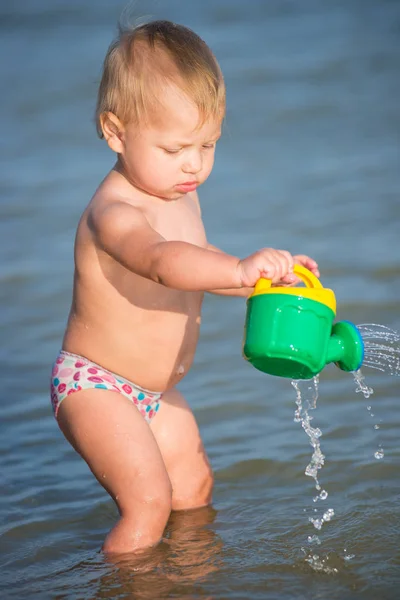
(361,386)
(306,400)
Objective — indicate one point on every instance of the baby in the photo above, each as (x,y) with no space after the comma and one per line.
(142,265)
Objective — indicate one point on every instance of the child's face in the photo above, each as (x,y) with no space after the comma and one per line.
(170,157)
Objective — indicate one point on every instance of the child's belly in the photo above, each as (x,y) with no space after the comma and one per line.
(153,348)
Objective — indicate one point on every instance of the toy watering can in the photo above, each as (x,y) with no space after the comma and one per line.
(289,331)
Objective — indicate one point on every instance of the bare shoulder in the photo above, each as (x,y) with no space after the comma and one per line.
(115,215)
(113,209)
(115,223)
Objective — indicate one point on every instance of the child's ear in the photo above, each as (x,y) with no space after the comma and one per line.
(113,130)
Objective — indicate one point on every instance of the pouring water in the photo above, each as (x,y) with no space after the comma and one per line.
(381,352)
(290,332)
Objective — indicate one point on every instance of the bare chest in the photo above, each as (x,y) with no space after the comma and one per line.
(180,221)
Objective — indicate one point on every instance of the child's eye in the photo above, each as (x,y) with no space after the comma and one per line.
(172,150)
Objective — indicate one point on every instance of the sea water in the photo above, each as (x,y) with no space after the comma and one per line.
(382,352)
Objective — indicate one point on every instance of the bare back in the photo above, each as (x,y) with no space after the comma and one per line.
(128,324)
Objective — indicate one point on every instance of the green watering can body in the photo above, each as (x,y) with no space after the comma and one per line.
(289,332)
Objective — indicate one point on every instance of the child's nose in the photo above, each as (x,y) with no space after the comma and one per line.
(193,163)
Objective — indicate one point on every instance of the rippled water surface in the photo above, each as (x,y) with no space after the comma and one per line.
(309,161)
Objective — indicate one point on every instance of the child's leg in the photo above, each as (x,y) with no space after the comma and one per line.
(178,438)
(109,432)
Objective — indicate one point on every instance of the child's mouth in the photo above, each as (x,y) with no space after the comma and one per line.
(188,186)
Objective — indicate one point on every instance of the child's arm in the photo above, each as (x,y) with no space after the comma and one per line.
(123,232)
(243,292)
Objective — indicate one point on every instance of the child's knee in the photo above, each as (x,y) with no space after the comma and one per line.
(205,486)
(152,504)
(144,515)
(159,504)
(197,492)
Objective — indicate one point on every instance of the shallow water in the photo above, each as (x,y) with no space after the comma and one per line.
(309,160)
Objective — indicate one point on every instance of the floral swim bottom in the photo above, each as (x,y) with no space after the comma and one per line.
(72,373)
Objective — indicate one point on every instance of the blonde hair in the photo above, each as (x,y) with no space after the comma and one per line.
(159,52)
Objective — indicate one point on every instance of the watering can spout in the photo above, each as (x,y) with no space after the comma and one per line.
(289,332)
(345,346)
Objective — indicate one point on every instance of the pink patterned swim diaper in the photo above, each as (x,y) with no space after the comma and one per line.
(72,373)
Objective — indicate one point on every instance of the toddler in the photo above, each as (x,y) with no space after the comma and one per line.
(142,265)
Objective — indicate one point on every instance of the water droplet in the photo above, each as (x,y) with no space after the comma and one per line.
(317,523)
(361,385)
(313,539)
(379,454)
(327,516)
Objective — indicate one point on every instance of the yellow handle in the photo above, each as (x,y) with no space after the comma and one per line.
(310,280)
(307,277)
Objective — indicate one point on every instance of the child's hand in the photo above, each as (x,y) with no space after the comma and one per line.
(305,261)
(308,263)
(276,265)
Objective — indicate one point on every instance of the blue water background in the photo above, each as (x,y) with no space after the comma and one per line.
(309,161)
